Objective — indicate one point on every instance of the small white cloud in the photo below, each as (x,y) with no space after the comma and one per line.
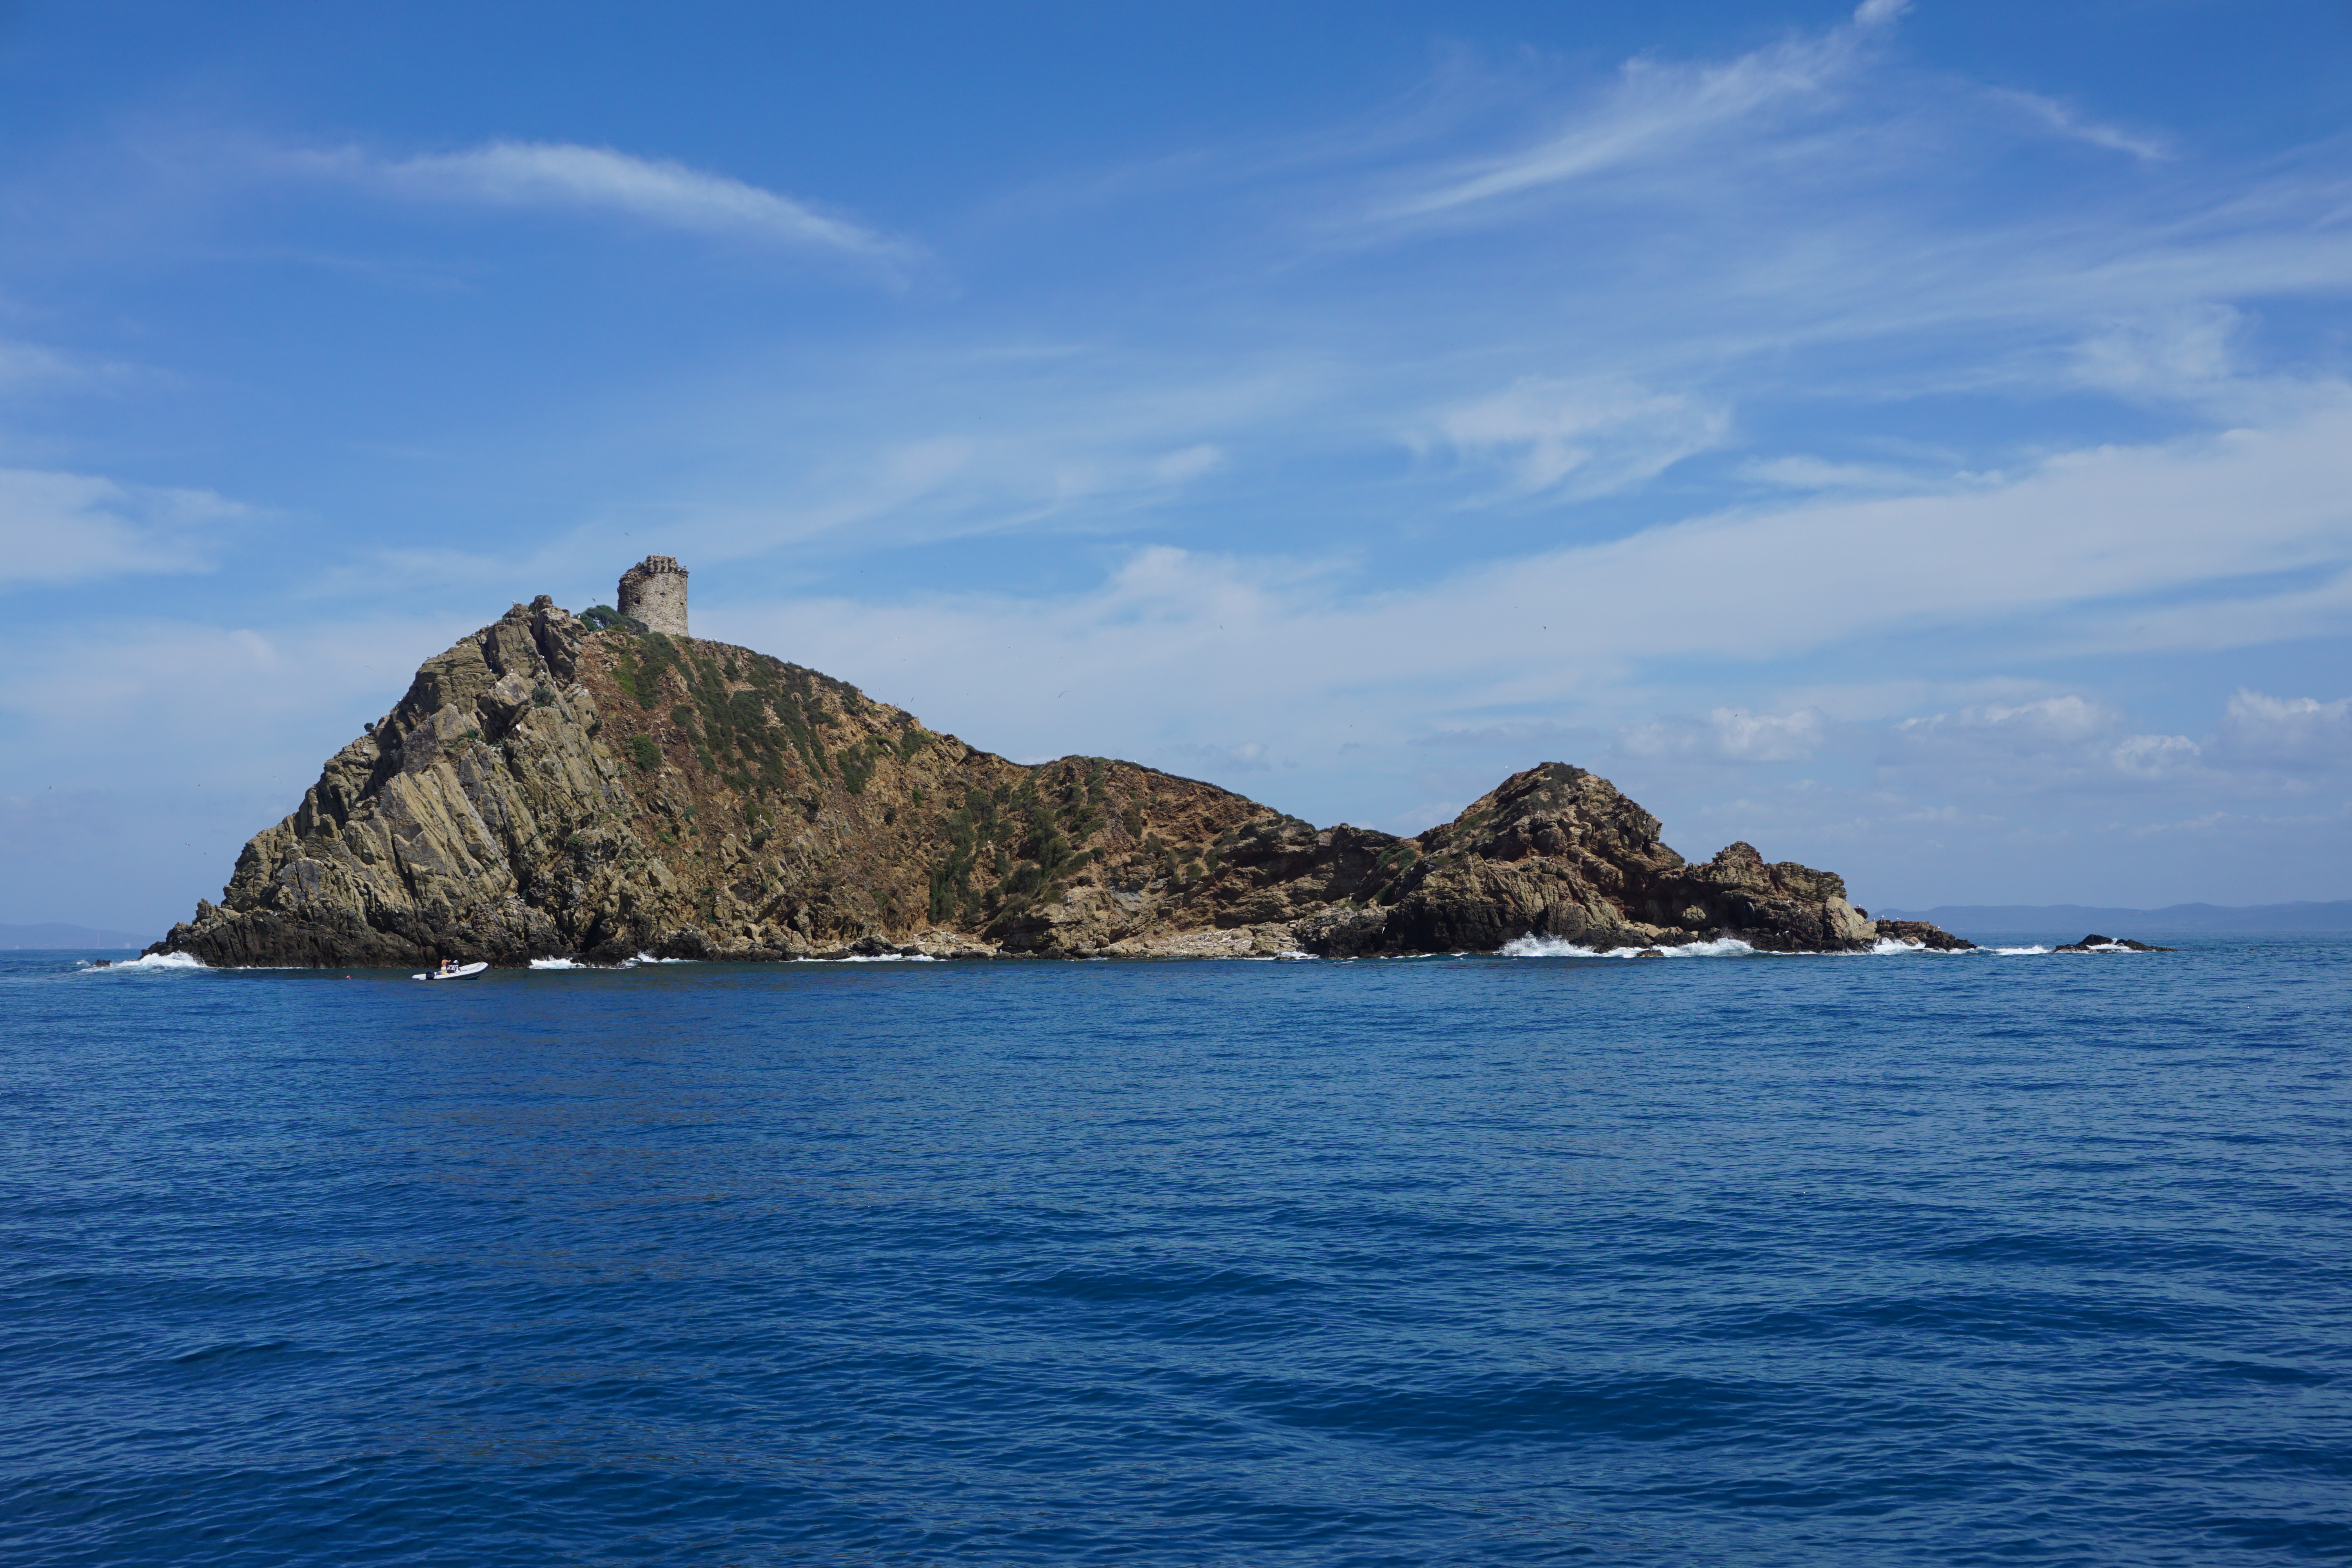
(1530,738)
(556,175)
(1729,735)
(1421,818)
(2051,725)
(67,528)
(1578,440)
(2183,352)
(1242,757)
(2055,742)
(25,367)
(2291,734)
(2155,756)
(1189,464)
(1806,473)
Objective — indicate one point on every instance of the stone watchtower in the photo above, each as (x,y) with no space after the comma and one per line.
(653,591)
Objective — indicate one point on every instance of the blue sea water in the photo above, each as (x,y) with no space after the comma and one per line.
(1905,1259)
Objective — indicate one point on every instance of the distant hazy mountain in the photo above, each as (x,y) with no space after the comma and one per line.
(52,934)
(2179,919)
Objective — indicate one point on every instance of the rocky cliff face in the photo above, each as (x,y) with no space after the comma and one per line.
(545,790)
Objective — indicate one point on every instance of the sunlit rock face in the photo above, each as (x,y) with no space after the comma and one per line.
(545,789)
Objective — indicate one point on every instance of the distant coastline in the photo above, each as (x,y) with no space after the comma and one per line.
(2175,920)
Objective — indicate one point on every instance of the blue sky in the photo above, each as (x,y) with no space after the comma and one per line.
(1915,439)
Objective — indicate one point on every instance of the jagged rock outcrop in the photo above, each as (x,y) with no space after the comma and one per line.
(1920,933)
(1557,851)
(2097,944)
(545,788)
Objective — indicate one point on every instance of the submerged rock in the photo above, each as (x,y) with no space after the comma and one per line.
(2096,943)
(551,788)
(1920,933)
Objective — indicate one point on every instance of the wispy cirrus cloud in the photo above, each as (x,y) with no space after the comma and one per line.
(1656,110)
(1174,646)
(563,175)
(69,528)
(25,367)
(2057,117)
(1554,437)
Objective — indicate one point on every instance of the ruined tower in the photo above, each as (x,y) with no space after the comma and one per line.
(653,591)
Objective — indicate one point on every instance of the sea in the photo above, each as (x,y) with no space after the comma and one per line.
(1999,1258)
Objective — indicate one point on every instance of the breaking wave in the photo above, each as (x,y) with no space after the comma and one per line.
(875,958)
(1534,946)
(1889,945)
(153,961)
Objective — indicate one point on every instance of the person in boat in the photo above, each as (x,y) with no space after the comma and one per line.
(449,965)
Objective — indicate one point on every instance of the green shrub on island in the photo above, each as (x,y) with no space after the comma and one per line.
(856,767)
(603,618)
(643,752)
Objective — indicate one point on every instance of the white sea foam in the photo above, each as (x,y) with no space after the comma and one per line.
(2016,951)
(562,964)
(157,961)
(875,958)
(649,958)
(1533,946)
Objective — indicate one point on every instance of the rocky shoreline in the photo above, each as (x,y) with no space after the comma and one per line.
(548,788)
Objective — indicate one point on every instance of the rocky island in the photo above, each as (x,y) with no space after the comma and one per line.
(605,784)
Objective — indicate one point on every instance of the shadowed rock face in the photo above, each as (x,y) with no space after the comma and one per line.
(545,790)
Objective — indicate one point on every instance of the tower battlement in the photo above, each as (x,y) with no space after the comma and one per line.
(653,591)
